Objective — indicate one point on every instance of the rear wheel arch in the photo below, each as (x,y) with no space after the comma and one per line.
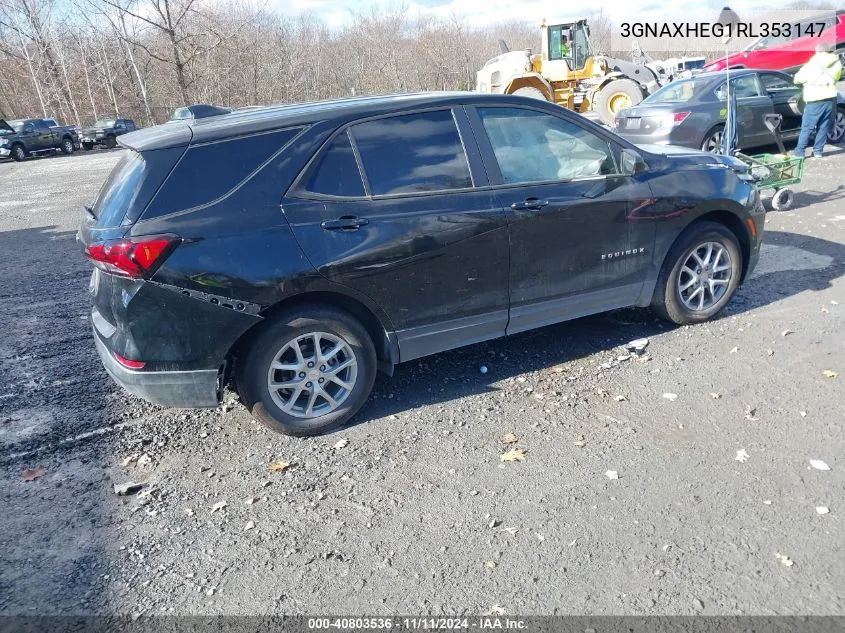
(377,327)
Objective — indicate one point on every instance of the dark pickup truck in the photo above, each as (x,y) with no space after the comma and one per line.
(27,137)
(105,132)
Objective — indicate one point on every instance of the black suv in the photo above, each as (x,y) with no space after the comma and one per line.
(105,132)
(299,249)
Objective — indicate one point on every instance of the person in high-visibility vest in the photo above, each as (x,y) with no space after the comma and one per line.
(818,78)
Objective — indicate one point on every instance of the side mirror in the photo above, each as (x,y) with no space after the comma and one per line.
(632,163)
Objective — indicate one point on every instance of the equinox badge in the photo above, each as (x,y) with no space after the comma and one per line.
(627,253)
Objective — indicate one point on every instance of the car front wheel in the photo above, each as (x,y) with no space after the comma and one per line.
(18,153)
(308,372)
(700,274)
(837,126)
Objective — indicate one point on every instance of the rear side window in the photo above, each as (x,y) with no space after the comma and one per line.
(118,193)
(336,171)
(413,153)
(210,171)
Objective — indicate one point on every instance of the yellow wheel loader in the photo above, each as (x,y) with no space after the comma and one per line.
(568,72)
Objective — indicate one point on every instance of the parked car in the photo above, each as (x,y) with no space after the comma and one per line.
(790,51)
(104,132)
(691,112)
(29,137)
(198,111)
(407,226)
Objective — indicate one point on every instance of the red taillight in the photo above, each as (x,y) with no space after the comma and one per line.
(135,257)
(680,117)
(131,364)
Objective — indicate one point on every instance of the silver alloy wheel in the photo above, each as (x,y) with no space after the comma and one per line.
(837,128)
(312,375)
(713,143)
(67,145)
(705,276)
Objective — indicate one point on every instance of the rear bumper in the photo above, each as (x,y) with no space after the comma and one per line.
(197,388)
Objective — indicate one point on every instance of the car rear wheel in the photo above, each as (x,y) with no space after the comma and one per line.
(18,152)
(700,274)
(308,372)
(67,146)
(713,140)
(837,126)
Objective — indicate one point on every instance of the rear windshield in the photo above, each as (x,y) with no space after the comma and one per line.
(120,190)
(679,91)
(180,114)
(104,123)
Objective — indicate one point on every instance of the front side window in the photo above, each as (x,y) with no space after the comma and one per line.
(336,171)
(413,153)
(772,82)
(532,146)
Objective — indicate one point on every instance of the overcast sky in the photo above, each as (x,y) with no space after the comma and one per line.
(481,12)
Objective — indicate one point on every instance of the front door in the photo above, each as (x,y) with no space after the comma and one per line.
(414,235)
(575,248)
(783,93)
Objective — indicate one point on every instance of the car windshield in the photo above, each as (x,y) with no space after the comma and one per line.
(104,123)
(181,114)
(17,126)
(676,92)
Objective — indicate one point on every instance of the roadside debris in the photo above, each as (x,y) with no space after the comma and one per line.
(490,564)
(822,510)
(783,558)
(819,464)
(742,456)
(128,488)
(715,395)
(250,500)
(144,459)
(787,332)
(249,525)
(509,438)
(218,506)
(829,373)
(513,455)
(31,474)
(671,397)
(637,345)
(612,474)
(341,444)
(620,398)
(750,413)
(278,466)
(129,460)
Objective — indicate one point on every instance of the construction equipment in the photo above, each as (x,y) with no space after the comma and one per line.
(569,73)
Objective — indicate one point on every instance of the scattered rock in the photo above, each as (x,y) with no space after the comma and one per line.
(513,455)
(612,474)
(783,558)
(509,438)
(671,397)
(218,506)
(31,474)
(829,373)
(742,455)
(620,398)
(343,443)
(128,488)
(787,333)
(734,350)
(129,460)
(698,604)
(822,510)
(144,459)
(249,525)
(819,464)
(637,345)
(715,395)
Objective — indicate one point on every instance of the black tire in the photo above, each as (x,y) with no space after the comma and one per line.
(18,152)
(606,98)
(783,199)
(667,301)
(837,126)
(712,141)
(111,141)
(67,145)
(531,92)
(88,146)
(252,369)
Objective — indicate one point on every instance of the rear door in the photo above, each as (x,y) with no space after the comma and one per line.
(575,247)
(390,207)
(752,106)
(47,138)
(782,92)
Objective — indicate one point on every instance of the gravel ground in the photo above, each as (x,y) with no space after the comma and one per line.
(412,510)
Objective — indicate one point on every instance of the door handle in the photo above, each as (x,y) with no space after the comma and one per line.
(530,204)
(345,223)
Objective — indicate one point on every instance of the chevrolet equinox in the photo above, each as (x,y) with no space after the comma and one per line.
(294,251)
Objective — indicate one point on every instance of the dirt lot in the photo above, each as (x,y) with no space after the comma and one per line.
(416,513)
